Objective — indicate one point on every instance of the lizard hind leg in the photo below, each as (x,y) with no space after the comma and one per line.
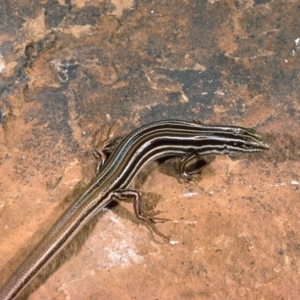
(149,219)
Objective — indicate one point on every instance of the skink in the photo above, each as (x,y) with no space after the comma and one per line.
(147,143)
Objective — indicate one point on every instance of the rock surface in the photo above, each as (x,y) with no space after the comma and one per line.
(70,69)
